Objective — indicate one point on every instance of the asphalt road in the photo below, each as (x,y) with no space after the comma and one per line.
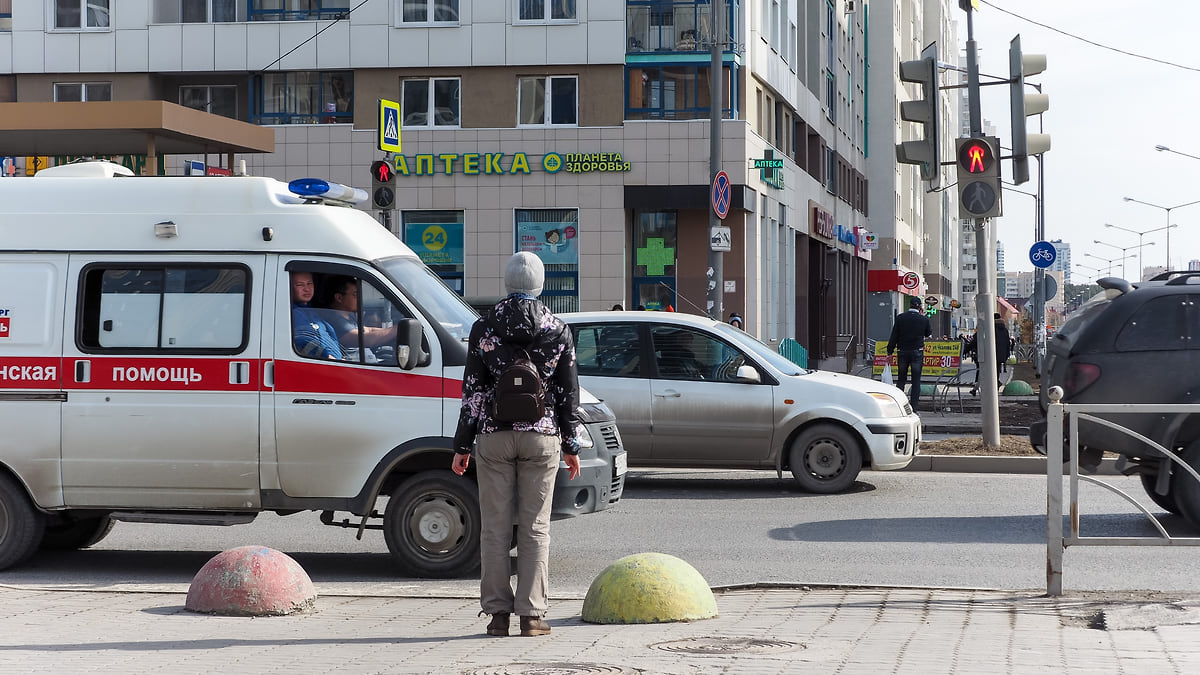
(894,528)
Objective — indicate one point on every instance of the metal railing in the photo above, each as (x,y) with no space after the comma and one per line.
(1056,541)
(794,352)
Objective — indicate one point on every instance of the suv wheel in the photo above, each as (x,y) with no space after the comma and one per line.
(1185,489)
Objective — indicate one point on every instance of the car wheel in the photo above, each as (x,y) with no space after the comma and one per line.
(825,459)
(1185,489)
(431,526)
(1167,501)
(68,533)
(21,525)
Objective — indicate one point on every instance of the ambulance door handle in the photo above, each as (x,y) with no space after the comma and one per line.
(268,373)
(239,372)
(83,371)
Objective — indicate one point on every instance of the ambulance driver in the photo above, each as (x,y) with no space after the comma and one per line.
(344,319)
(313,335)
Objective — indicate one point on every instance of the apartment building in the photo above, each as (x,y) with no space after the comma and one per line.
(575,129)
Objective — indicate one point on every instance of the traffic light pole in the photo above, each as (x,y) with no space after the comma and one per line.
(985,300)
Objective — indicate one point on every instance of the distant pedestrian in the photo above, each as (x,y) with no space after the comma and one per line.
(908,341)
(735,320)
(1003,344)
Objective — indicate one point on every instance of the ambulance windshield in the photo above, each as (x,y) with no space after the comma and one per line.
(435,299)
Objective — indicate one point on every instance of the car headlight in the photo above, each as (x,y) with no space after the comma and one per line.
(585,438)
(887,405)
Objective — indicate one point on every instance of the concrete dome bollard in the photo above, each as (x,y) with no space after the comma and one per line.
(1017,388)
(648,588)
(251,581)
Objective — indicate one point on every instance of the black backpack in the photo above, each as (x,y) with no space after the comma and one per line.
(518,395)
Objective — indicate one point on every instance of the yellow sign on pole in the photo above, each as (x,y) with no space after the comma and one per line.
(389,126)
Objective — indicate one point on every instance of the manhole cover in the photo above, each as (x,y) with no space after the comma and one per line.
(554,669)
(727,646)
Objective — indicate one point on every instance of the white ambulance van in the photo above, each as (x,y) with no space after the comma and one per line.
(156,366)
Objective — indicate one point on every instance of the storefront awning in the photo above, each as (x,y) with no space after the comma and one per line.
(124,127)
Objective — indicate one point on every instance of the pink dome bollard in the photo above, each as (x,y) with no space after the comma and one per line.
(251,581)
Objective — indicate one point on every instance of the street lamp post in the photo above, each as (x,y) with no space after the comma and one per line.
(1140,234)
(1168,210)
(1109,263)
(1123,249)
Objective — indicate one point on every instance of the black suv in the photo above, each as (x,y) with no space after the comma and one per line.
(1135,343)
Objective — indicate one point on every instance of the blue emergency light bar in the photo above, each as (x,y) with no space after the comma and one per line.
(316,188)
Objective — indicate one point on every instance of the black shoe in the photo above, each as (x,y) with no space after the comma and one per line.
(498,626)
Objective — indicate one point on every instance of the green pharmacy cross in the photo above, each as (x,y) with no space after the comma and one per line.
(655,256)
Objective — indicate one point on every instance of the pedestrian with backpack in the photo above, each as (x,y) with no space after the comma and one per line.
(520,396)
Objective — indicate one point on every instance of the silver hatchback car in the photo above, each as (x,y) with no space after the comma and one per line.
(688,391)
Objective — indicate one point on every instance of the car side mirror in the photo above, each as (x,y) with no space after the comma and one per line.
(746,373)
(409,350)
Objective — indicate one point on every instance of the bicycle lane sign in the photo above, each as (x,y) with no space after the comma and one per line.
(1042,254)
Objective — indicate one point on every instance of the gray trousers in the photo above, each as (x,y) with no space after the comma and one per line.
(516,471)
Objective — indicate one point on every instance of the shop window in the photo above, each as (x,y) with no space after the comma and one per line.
(437,239)
(547,101)
(543,11)
(429,11)
(218,100)
(655,250)
(81,14)
(5,16)
(553,236)
(302,97)
(82,91)
(430,102)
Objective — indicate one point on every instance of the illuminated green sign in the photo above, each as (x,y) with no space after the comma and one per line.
(495,163)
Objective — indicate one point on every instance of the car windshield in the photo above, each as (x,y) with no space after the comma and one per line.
(434,297)
(762,351)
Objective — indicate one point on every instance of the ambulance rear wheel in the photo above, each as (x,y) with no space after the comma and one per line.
(21,525)
(68,533)
(431,526)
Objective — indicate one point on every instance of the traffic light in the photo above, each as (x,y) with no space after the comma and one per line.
(925,110)
(1023,105)
(978,161)
(383,180)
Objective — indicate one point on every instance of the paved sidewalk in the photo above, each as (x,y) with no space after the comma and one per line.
(759,630)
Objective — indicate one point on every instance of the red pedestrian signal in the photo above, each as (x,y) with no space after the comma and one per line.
(381,172)
(976,156)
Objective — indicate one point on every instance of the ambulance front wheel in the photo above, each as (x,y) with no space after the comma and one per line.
(21,525)
(431,526)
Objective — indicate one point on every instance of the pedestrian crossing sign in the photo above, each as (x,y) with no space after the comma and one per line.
(389,126)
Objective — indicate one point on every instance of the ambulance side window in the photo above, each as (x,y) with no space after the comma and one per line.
(180,309)
(343,317)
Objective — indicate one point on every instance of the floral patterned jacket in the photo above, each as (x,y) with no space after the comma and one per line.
(524,321)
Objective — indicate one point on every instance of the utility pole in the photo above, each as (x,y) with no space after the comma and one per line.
(985,299)
(716,258)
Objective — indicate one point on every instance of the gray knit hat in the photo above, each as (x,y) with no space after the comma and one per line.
(524,274)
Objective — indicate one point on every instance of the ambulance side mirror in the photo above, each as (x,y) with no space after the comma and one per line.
(410,351)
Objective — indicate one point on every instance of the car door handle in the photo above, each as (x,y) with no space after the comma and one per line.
(669,393)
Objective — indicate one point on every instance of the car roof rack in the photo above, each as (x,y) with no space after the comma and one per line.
(1176,278)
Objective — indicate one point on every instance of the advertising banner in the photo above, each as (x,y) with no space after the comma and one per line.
(556,243)
(436,243)
(943,358)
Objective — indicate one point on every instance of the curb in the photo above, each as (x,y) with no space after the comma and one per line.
(970,431)
(981,464)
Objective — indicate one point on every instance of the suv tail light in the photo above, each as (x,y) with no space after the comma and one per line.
(1079,376)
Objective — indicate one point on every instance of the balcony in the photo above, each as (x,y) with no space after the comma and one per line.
(227,11)
(663,26)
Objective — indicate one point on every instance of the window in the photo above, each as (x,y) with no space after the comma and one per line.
(82,91)
(545,10)
(296,10)
(193,309)
(81,14)
(1161,323)
(345,317)
(612,350)
(553,236)
(686,354)
(431,102)
(5,16)
(421,11)
(547,101)
(671,92)
(218,100)
(302,97)
(195,11)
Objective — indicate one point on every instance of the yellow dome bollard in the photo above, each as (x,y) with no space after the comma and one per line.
(648,588)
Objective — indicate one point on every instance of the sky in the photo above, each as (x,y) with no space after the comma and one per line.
(1108,111)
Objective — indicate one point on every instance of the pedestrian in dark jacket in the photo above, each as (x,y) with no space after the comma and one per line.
(516,462)
(908,341)
(1003,344)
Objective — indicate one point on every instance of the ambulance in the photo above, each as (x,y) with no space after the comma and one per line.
(186,350)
